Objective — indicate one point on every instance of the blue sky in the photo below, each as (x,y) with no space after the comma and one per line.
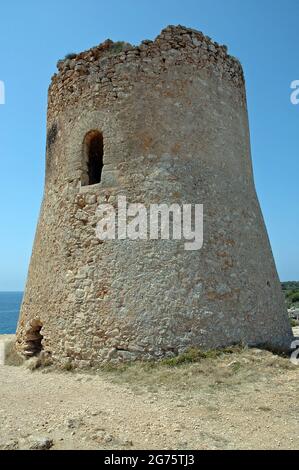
(34,34)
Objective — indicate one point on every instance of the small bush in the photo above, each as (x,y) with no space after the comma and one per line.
(196,355)
(236,366)
(66,366)
(37,362)
(116,47)
(71,55)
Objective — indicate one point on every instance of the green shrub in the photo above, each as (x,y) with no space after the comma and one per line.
(291,293)
(71,55)
(196,355)
(116,47)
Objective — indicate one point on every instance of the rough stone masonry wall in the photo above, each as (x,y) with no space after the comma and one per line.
(175,127)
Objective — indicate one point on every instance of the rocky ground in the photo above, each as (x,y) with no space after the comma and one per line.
(246,399)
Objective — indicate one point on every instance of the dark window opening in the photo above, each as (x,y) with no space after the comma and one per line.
(93,150)
(34,339)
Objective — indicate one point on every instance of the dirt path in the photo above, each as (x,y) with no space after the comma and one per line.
(242,400)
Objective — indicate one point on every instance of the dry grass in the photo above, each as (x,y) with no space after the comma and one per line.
(197,370)
(38,362)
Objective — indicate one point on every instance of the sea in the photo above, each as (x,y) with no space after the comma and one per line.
(10,303)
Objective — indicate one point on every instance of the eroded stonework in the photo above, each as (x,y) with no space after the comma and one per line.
(174,121)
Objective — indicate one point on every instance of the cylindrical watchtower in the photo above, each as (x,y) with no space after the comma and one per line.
(164,122)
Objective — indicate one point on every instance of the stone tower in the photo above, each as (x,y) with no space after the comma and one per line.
(164,122)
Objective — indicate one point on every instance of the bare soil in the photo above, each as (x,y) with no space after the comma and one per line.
(244,400)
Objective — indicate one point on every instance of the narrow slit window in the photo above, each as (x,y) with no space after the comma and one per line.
(93,158)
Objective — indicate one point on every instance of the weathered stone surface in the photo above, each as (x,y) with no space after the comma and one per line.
(174,121)
(41,443)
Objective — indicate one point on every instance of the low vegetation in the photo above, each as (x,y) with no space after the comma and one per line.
(71,55)
(116,47)
(291,293)
(198,370)
(196,355)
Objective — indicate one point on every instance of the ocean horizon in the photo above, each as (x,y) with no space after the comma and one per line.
(10,303)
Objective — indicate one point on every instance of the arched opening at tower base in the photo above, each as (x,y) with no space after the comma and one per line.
(34,339)
(93,152)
